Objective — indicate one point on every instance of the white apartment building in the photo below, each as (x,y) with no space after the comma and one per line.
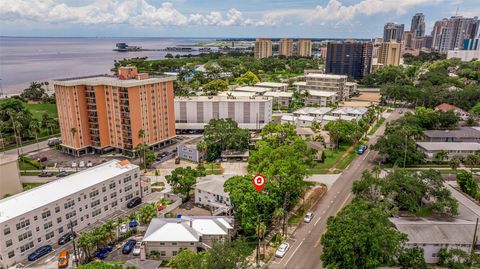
(251,89)
(281,100)
(320,98)
(210,193)
(194,112)
(40,216)
(325,83)
(273,86)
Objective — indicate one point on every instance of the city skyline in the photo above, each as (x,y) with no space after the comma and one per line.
(184,18)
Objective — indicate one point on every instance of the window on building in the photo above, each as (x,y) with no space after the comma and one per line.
(11,254)
(59,219)
(6,231)
(174,253)
(26,247)
(8,242)
(114,204)
(112,185)
(69,204)
(94,193)
(23,224)
(95,203)
(113,195)
(25,236)
(47,225)
(35,218)
(49,235)
(104,189)
(162,253)
(57,209)
(60,230)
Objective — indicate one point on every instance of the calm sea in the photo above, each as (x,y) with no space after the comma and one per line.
(25,59)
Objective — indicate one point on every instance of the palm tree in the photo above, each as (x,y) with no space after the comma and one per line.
(73,130)
(201,148)
(141,135)
(454,163)
(441,155)
(260,230)
(147,213)
(278,215)
(472,160)
(376,171)
(34,127)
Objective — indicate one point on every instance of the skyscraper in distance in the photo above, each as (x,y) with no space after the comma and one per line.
(351,58)
(286,47)
(304,47)
(263,48)
(418,25)
(389,53)
(393,30)
(448,34)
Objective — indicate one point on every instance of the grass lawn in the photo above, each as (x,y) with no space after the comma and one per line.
(26,166)
(296,218)
(375,128)
(331,156)
(39,109)
(212,168)
(345,162)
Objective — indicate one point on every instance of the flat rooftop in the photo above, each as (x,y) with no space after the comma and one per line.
(251,89)
(223,97)
(271,84)
(111,80)
(321,93)
(41,196)
(436,146)
(462,132)
(279,94)
(328,76)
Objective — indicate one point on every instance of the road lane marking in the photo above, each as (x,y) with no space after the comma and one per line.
(293,254)
(315,224)
(366,155)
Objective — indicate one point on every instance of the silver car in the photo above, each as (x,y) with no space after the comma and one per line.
(136,249)
(308,217)
(282,250)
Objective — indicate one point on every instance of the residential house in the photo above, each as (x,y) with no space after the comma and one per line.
(305,133)
(355,112)
(209,193)
(317,112)
(462,134)
(305,121)
(188,151)
(460,149)
(318,148)
(289,119)
(444,107)
(168,236)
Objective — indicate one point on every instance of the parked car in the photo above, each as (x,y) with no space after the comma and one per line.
(89,164)
(45,174)
(362,149)
(65,238)
(63,258)
(74,164)
(42,159)
(54,141)
(132,224)
(81,164)
(128,247)
(282,250)
(308,217)
(177,160)
(136,249)
(134,202)
(39,252)
(62,174)
(123,228)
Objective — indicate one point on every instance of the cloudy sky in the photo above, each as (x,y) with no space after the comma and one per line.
(224,18)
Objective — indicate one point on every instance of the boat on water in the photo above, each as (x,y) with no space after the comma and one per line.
(178,49)
(124,47)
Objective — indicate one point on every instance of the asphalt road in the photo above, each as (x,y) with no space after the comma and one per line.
(305,248)
(29,148)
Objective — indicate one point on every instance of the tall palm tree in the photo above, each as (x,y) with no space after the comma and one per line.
(35,127)
(260,230)
(201,148)
(278,215)
(118,223)
(141,134)
(73,130)
(454,163)
(472,160)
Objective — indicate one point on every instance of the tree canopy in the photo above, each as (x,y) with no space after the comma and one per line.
(182,179)
(224,134)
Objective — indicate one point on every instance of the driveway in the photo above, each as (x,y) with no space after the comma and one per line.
(235,168)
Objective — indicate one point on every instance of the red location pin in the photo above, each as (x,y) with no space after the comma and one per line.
(259,182)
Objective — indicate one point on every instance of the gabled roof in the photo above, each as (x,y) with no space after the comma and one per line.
(350,110)
(462,132)
(213,184)
(449,146)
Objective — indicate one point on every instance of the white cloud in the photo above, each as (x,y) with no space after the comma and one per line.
(142,13)
(134,12)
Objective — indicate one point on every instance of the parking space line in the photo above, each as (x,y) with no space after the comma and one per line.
(293,254)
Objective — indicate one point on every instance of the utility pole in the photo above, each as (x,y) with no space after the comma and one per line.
(73,241)
(258,240)
(474,243)
(405,156)
(285,212)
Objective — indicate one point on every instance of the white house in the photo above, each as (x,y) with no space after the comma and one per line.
(356,112)
(210,193)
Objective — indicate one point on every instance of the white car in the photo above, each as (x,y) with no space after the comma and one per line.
(308,217)
(123,228)
(282,249)
(82,164)
(136,249)
(89,164)
(74,164)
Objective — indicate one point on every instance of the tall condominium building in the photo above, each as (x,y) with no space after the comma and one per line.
(471,44)
(389,53)
(315,83)
(393,31)
(101,113)
(250,112)
(448,34)
(349,58)
(418,25)
(286,47)
(304,47)
(40,216)
(263,48)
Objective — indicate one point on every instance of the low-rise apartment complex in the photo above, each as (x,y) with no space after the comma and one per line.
(325,83)
(210,193)
(101,113)
(194,112)
(462,134)
(281,100)
(42,215)
(189,151)
(273,86)
(460,149)
(169,236)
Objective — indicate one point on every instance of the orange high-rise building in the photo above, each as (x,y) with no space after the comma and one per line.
(102,113)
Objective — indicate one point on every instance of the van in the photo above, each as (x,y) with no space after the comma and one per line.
(63,258)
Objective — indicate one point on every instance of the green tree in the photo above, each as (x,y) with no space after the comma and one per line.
(467,183)
(348,241)
(412,258)
(249,78)
(12,110)
(454,163)
(146,213)
(35,92)
(141,135)
(441,155)
(201,148)
(187,259)
(215,86)
(475,110)
(224,134)
(35,128)
(472,160)
(343,131)
(182,180)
